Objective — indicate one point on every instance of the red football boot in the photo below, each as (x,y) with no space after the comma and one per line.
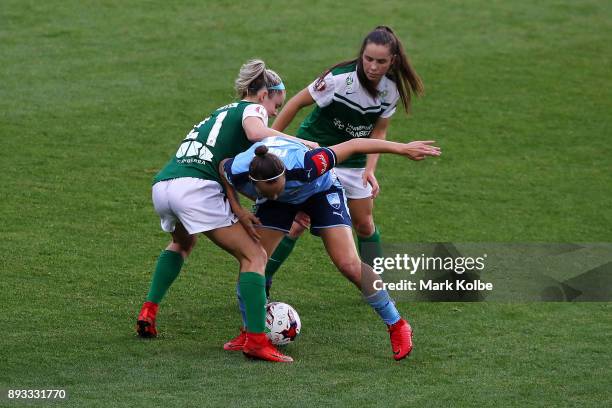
(258,346)
(401,339)
(237,343)
(145,325)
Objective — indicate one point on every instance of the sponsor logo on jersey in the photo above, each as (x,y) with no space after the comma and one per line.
(353,130)
(192,151)
(320,161)
(334,200)
(320,85)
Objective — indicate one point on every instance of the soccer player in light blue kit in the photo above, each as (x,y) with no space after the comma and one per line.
(285,177)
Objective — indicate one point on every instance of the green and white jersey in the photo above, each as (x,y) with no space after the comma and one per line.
(219,136)
(345,110)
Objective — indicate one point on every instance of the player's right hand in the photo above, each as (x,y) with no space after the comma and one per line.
(419,149)
(309,144)
(302,219)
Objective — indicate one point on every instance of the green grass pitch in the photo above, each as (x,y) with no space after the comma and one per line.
(94,98)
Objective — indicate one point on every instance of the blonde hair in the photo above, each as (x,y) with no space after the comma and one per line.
(254,76)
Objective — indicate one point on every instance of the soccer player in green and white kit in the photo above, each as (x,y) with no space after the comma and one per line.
(189,199)
(354,99)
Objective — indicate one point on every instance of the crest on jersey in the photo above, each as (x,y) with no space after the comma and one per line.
(383,94)
(349,84)
(320,85)
(334,200)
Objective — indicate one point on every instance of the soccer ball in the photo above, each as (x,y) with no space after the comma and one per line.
(282,323)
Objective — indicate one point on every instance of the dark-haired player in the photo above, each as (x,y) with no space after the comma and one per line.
(353,99)
(285,177)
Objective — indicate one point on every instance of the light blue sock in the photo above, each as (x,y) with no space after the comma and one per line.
(384,306)
(241,306)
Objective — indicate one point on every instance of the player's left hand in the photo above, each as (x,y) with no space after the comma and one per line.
(249,221)
(369,177)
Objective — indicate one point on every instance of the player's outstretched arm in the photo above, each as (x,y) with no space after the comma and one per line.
(416,150)
(291,108)
(256,130)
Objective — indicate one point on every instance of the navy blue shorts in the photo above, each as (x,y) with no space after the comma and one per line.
(326,210)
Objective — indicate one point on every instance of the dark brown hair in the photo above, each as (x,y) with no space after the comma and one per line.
(401,71)
(265,165)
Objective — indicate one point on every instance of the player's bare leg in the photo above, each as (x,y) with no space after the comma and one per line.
(270,238)
(341,249)
(340,246)
(251,285)
(235,240)
(368,238)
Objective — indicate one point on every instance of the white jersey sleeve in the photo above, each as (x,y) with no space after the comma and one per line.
(388,111)
(322,90)
(256,110)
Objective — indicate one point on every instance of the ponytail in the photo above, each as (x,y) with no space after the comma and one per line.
(254,76)
(265,166)
(401,71)
(406,78)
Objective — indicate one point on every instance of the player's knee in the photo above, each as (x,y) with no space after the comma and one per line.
(187,252)
(183,245)
(255,259)
(187,244)
(262,259)
(365,227)
(349,267)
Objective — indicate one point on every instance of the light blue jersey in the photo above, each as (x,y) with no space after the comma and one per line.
(307,171)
